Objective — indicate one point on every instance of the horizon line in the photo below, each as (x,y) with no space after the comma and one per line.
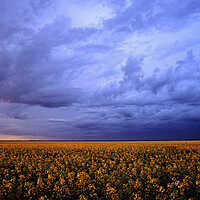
(100,140)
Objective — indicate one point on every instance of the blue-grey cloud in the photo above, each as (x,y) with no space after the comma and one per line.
(144,15)
(34,77)
(132,72)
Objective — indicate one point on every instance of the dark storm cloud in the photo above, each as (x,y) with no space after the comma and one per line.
(176,84)
(145,14)
(16,18)
(16,111)
(180,83)
(132,73)
(33,77)
(149,122)
(153,103)
(90,126)
(99,72)
(28,75)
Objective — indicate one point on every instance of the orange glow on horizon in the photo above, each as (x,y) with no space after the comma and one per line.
(22,137)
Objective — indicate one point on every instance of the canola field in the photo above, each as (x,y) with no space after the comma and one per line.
(100,170)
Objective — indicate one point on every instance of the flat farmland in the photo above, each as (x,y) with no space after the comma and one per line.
(99,170)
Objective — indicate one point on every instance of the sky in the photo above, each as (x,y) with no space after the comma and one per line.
(100,70)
